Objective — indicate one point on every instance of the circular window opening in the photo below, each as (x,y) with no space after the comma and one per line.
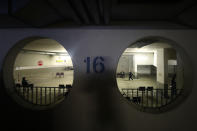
(38,73)
(154,74)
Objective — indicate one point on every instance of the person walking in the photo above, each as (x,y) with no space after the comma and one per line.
(130,76)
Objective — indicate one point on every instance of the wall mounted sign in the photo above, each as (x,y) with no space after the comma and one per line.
(40,63)
(60,61)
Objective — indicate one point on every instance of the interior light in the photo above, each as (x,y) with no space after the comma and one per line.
(141,57)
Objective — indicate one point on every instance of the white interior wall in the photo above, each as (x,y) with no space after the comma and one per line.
(144,69)
(124,64)
(141,58)
(129,61)
(172,62)
(144,58)
(155,59)
(30,60)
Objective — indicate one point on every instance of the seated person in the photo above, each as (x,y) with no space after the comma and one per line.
(26,84)
(122,74)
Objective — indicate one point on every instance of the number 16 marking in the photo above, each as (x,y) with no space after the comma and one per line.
(98,65)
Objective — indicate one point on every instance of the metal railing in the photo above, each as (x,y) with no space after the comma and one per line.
(149,97)
(42,96)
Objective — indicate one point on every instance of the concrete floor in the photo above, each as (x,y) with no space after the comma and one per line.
(135,83)
(45,77)
(46,85)
(46,89)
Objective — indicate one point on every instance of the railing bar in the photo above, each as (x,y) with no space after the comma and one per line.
(45,95)
(58,92)
(32,95)
(127,93)
(137,92)
(156,97)
(166,100)
(54,95)
(171,94)
(152,98)
(36,95)
(17,88)
(147,97)
(63,91)
(23,91)
(40,96)
(137,97)
(161,97)
(27,94)
(49,95)
(142,98)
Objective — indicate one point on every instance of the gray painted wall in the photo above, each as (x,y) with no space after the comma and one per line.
(95,102)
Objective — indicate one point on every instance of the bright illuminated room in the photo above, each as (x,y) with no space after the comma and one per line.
(150,76)
(43,72)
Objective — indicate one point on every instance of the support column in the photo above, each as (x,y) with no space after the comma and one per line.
(135,67)
(162,68)
(180,74)
(131,60)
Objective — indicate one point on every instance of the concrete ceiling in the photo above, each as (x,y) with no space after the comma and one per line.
(149,48)
(45,45)
(60,13)
(157,46)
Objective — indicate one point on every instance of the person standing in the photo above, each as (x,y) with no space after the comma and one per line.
(173,85)
(24,84)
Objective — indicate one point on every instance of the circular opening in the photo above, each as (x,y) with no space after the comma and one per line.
(38,73)
(154,74)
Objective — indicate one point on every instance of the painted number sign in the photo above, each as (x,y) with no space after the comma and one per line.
(95,65)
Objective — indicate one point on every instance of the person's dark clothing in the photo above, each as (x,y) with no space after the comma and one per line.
(173,85)
(25,84)
(130,76)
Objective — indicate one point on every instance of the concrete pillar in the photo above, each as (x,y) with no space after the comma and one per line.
(130,57)
(123,64)
(135,67)
(162,68)
(180,75)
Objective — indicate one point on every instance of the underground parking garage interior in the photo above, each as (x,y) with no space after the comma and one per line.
(150,73)
(98,65)
(43,72)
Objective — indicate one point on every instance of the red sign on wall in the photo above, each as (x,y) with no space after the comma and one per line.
(40,63)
